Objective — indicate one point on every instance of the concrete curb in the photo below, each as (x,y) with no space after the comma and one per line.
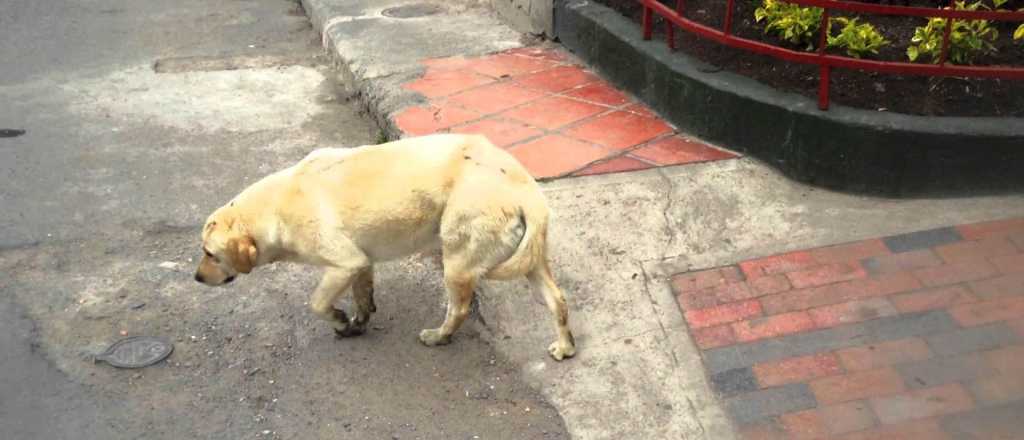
(843,148)
(376,54)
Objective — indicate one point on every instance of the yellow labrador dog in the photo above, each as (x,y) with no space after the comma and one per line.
(346,209)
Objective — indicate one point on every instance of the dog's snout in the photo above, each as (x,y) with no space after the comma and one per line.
(229,279)
(199,277)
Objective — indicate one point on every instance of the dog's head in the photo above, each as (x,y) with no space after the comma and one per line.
(228,248)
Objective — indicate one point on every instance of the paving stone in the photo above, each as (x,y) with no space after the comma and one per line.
(884,354)
(961,271)
(992,228)
(731,382)
(723,314)
(772,326)
(804,425)
(1010,264)
(769,284)
(616,165)
(847,417)
(919,404)
(932,298)
(999,423)
(619,130)
(675,150)
(922,239)
(900,262)
(999,389)
(700,280)
(976,249)
(850,252)
(925,429)
(554,155)
(972,339)
(711,337)
(751,407)
(816,341)
(1008,360)
(944,370)
(801,299)
(1000,309)
(857,385)
(799,369)
(853,311)
(766,429)
(825,274)
(777,264)
(1008,285)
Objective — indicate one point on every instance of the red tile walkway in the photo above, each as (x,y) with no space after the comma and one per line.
(914,336)
(556,117)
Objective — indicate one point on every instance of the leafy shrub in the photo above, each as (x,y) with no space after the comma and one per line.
(967,38)
(792,23)
(858,39)
(1019,33)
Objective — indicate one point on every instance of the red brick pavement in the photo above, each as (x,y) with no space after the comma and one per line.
(914,336)
(556,117)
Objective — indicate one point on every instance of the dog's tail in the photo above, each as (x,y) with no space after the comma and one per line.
(532,249)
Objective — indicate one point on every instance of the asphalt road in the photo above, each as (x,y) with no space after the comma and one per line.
(140,117)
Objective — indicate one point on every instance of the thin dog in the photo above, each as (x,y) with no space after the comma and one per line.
(347,209)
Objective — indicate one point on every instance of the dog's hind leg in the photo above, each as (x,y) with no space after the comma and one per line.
(459,284)
(334,283)
(362,296)
(541,279)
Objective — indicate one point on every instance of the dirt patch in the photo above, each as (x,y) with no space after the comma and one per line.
(919,95)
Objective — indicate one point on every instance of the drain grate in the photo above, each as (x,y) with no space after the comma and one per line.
(136,352)
(413,10)
(10,132)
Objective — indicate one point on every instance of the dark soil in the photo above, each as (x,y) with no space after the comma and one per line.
(919,95)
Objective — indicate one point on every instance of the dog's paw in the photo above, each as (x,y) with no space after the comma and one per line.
(561,351)
(349,331)
(432,337)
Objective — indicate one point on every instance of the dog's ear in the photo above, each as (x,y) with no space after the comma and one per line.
(243,254)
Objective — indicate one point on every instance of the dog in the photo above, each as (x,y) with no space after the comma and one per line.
(345,209)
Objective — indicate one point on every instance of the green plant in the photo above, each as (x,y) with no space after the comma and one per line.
(967,38)
(790,22)
(858,39)
(1019,33)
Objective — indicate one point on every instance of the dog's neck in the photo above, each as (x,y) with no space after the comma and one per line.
(260,224)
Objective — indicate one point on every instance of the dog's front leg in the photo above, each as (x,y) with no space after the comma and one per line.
(334,283)
(362,296)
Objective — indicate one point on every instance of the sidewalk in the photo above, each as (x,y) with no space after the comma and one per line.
(636,204)
(917,335)
(556,117)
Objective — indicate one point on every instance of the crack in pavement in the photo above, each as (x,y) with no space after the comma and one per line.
(665,212)
(607,159)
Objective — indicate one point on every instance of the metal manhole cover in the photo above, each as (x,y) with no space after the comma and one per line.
(413,10)
(10,132)
(136,352)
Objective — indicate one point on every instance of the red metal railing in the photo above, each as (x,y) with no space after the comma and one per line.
(825,62)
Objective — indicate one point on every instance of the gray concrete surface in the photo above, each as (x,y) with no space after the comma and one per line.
(105,192)
(615,241)
(103,197)
(616,238)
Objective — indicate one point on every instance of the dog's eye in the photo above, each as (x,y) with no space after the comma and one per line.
(208,254)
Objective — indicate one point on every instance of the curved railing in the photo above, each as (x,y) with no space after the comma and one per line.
(826,61)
